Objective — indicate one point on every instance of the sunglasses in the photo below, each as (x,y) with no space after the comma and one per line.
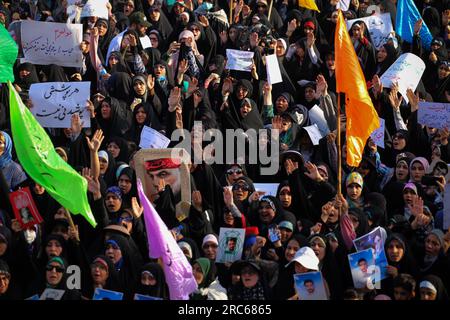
(58,269)
(231,171)
(214,246)
(242,187)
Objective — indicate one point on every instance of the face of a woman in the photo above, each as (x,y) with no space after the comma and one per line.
(401,171)
(395,251)
(54,273)
(249,277)
(24,73)
(147,279)
(280,51)
(427,294)
(443,72)
(53,249)
(281,104)
(432,245)
(299,268)
(99,273)
(266,213)
(291,249)
(357,32)
(354,191)
(232,34)
(398,142)
(285,196)
(234,173)
(245,109)
(382,54)
(125,184)
(102,29)
(113,253)
(241,190)
(417,171)
(241,93)
(210,250)
(103,165)
(106,111)
(114,149)
(198,273)
(318,248)
(139,88)
(141,116)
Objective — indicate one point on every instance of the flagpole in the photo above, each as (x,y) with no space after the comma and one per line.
(270,10)
(231,12)
(339,157)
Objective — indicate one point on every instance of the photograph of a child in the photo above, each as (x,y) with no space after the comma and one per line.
(365,273)
(310,286)
(374,241)
(231,245)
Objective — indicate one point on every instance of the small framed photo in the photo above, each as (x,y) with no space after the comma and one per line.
(24,208)
(52,294)
(231,244)
(310,286)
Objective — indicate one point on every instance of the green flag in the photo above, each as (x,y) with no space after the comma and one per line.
(8,55)
(41,162)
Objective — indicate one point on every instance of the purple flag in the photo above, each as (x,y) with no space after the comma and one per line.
(161,244)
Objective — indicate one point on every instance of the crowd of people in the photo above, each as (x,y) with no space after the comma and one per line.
(182,78)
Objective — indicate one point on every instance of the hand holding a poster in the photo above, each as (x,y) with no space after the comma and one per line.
(393,97)
(413,99)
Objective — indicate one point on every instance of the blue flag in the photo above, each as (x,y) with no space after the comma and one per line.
(407,15)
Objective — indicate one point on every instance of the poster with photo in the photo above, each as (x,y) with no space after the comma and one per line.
(310,286)
(24,208)
(52,294)
(103,294)
(365,273)
(231,245)
(374,241)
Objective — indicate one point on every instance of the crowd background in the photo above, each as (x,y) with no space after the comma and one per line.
(399,188)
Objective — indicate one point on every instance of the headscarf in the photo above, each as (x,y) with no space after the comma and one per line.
(208,270)
(436,282)
(6,157)
(26,82)
(160,288)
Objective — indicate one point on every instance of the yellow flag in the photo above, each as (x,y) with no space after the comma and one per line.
(308,4)
(362,118)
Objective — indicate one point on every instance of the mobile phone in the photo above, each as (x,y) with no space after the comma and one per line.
(273,234)
(430,180)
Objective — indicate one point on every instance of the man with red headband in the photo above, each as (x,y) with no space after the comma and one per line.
(162,172)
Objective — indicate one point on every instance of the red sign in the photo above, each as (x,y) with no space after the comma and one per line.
(24,208)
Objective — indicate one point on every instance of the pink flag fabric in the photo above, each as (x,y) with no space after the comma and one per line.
(161,244)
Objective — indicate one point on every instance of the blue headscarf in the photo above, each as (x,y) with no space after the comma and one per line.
(6,157)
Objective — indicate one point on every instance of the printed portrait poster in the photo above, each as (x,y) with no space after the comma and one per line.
(103,294)
(231,245)
(310,286)
(160,168)
(365,273)
(374,241)
(24,208)
(52,294)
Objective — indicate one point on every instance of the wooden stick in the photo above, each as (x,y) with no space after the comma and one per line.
(338,143)
(69,217)
(270,10)
(231,12)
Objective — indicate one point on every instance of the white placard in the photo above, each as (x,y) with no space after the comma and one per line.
(145,42)
(406,71)
(95,8)
(54,103)
(152,139)
(52,43)
(239,60)
(447,207)
(273,69)
(434,114)
(317,116)
(314,134)
(378,135)
(269,188)
(52,294)
(379,26)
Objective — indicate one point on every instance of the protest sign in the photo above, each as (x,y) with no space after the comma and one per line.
(95,8)
(374,241)
(406,71)
(231,244)
(103,294)
(33,298)
(447,207)
(273,69)
(52,294)
(434,114)
(52,43)
(317,116)
(145,42)
(24,208)
(314,134)
(365,273)
(239,60)
(310,286)
(152,139)
(269,188)
(54,103)
(379,26)
(378,135)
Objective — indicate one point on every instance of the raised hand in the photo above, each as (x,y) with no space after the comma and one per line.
(136,209)
(290,166)
(96,142)
(150,82)
(277,122)
(90,108)
(197,201)
(228,196)
(203,21)
(76,125)
(413,99)
(313,172)
(321,86)
(183,66)
(393,97)
(227,86)
(418,26)
(377,85)
(174,98)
